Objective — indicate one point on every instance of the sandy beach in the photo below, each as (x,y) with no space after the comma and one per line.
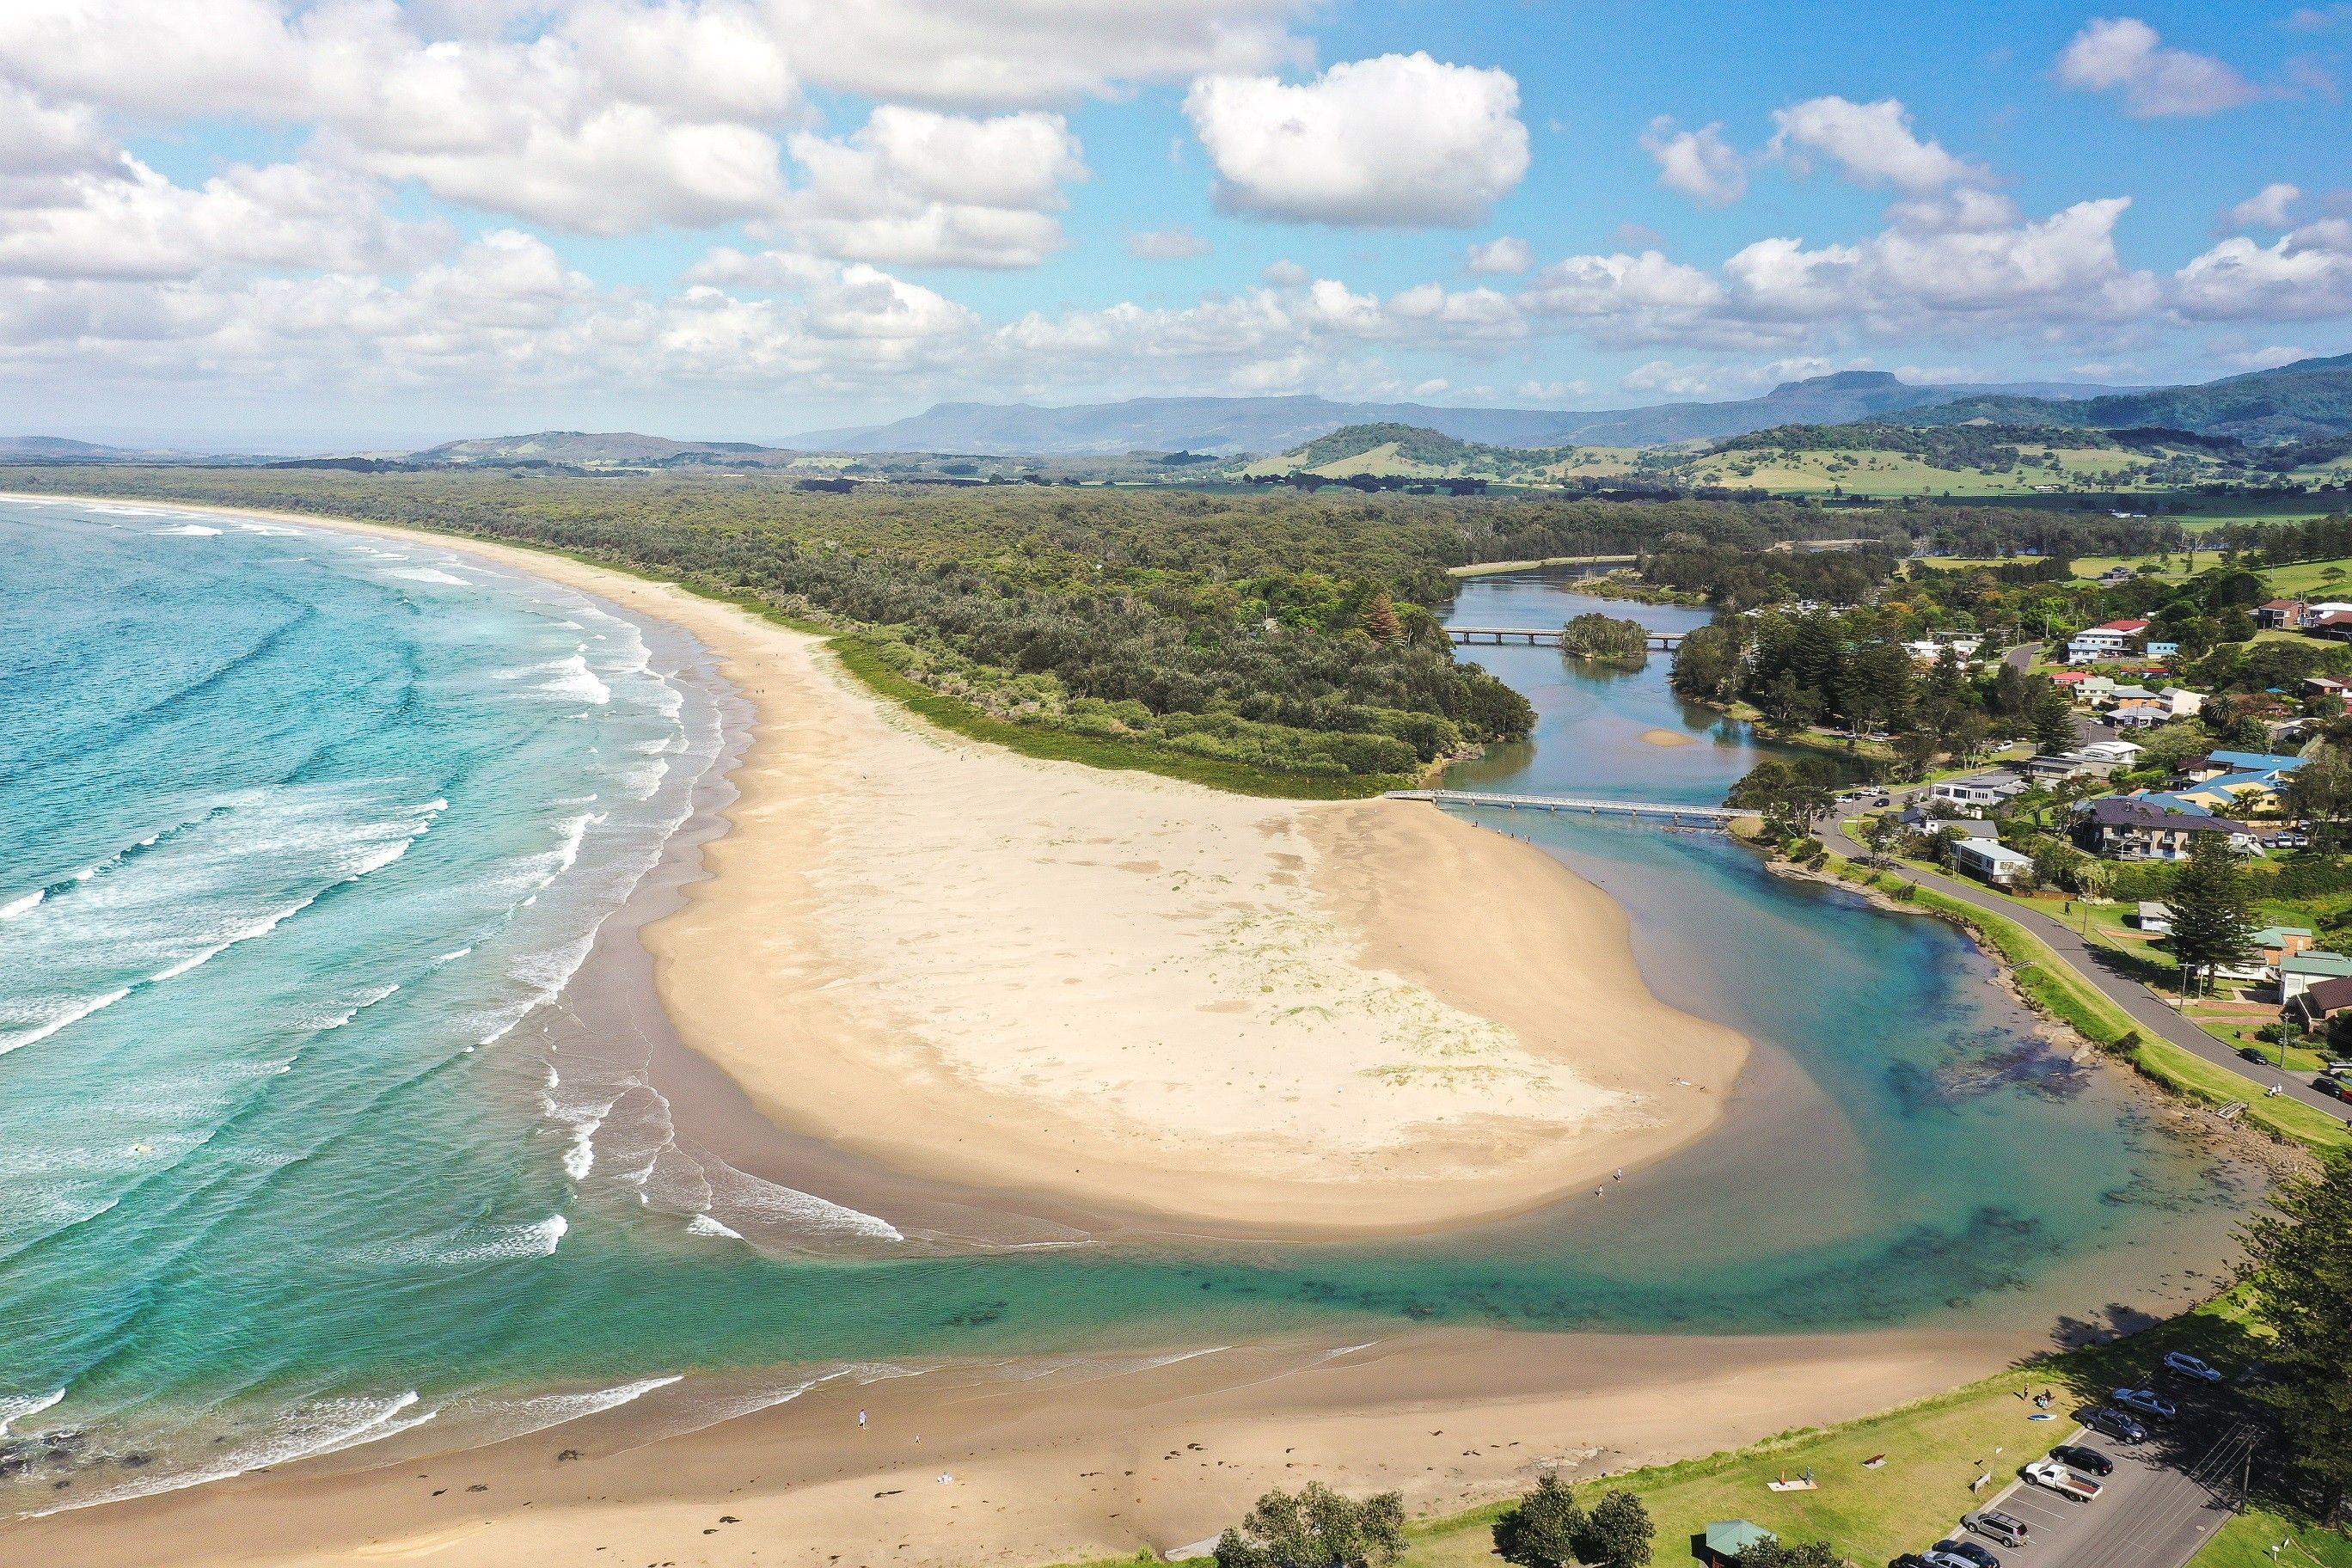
(1239,1015)
(976,1465)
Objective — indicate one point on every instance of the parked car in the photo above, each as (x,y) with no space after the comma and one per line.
(2090,1461)
(2005,1528)
(2339,1067)
(2187,1366)
(2148,1401)
(2054,1477)
(1882,800)
(1961,1549)
(2106,1418)
(2254,1054)
(2328,1083)
(1936,1557)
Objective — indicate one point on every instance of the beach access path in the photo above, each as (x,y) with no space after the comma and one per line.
(2148,1009)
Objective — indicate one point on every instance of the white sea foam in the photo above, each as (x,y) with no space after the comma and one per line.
(261,927)
(14,1407)
(429,574)
(521,1417)
(572,678)
(703,1225)
(17,906)
(742,1194)
(189,531)
(72,1015)
(474,1244)
(319,1427)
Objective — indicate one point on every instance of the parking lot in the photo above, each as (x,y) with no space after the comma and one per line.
(2151,1514)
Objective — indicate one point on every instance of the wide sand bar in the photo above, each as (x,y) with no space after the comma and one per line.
(1245,1016)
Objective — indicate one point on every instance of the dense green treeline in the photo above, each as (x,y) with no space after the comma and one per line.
(1290,635)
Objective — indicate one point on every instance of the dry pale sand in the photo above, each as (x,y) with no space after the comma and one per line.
(1669,738)
(1097,1460)
(1246,1016)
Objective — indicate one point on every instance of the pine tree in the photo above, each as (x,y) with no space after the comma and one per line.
(2053,718)
(1379,618)
(2212,908)
(2302,1257)
(1544,1529)
(1616,1533)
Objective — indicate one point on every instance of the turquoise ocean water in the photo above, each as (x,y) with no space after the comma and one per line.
(305,1146)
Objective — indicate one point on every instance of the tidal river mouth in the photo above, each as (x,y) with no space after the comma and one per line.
(318,1129)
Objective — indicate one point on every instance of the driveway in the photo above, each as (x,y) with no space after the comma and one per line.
(2149,1011)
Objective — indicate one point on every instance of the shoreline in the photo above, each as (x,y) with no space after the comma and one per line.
(1001,1464)
(1470,1061)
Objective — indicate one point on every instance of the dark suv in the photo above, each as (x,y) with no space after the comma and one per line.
(2123,1428)
(2090,1461)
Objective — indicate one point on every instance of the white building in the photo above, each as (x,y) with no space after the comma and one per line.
(1982,789)
(1991,862)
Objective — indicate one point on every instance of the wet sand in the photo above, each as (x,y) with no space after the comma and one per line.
(1098,1459)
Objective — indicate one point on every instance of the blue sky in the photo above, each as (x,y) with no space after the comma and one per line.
(352,222)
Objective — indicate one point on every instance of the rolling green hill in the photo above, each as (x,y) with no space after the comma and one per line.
(2309,399)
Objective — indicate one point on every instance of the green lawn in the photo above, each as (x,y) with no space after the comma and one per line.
(2311,579)
(2246,1541)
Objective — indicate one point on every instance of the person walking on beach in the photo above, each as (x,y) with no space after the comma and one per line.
(861,1421)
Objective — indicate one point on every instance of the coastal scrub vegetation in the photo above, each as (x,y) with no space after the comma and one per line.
(1315,1528)
(1281,642)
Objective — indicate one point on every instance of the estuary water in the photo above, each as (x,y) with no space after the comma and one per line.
(309,1141)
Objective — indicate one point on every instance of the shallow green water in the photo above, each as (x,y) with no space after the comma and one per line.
(259,1205)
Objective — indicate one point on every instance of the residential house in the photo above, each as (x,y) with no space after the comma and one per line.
(2218,764)
(2320,1001)
(2158,648)
(2111,640)
(2139,714)
(2298,972)
(1979,789)
(2115,576)
(2057,767)
(2153,918)
(2335,625)
(1989,860)
(2282,616)
(2252,790)
(2135,827)
(2123,753)
(2271,946)
(2184,703)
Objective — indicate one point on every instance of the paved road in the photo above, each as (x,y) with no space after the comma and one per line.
(2147,1010)
(2153,1513)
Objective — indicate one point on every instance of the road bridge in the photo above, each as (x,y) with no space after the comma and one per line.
(1715,818)
(1541,636)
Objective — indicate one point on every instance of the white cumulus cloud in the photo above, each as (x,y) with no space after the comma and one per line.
(1700,164)
(2266,209)
(1504,254)
(1400,140)
(1873,142)
(923,188)
(2124,53)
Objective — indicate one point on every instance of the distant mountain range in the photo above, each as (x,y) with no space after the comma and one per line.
(1236,425)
